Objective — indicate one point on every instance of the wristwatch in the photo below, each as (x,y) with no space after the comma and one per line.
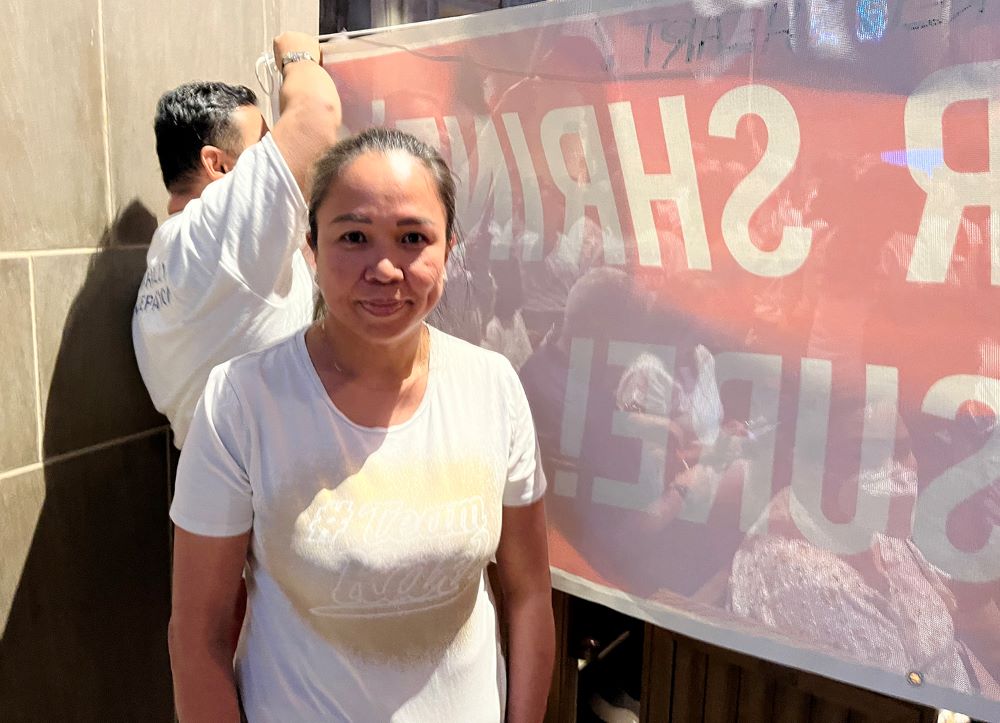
(295,56)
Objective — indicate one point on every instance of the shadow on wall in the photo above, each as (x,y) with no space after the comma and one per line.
(85,639)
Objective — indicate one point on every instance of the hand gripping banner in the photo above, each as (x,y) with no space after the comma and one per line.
(746,259)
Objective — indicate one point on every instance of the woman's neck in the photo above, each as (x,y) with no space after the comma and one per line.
(380,363)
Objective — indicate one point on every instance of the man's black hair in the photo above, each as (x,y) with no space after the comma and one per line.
(194,115)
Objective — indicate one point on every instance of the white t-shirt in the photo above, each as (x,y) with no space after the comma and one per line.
(223,277)
(368,599)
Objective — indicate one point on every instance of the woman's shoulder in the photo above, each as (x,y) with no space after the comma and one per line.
(257,365)
(453,349)
(454,352)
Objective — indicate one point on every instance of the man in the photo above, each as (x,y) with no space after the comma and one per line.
(225,272)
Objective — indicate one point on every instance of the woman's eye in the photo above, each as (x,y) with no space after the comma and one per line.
(413,238)
(353,237)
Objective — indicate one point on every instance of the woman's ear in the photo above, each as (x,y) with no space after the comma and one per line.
(309,251)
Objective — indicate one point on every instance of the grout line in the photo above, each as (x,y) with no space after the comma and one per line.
(106,114)
(77,251)
(34,353)
(65,456)
(18,471)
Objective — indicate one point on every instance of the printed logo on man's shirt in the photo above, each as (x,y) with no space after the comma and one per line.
(154,293)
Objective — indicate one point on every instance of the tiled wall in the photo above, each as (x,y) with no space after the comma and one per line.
(85,461)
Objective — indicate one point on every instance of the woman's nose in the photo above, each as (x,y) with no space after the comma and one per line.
(384,271)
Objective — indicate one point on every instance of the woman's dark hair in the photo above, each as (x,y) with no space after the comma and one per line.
(384,141)
(194,115)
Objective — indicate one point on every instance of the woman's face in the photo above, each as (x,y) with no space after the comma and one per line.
(381,246)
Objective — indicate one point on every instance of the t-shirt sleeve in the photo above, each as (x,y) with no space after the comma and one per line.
(212,495)
(246,226)
(525,479)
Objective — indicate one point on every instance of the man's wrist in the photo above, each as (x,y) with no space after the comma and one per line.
(295,56)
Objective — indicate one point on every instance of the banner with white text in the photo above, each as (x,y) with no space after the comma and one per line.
(746,259)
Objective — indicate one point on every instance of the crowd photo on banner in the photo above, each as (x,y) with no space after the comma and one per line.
(744,262)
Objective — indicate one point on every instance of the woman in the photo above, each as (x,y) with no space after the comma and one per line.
(365,471)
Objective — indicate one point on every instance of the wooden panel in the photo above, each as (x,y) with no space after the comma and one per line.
(657,674)
(722,691)
(825,711)
(688,681)
(756,701)
(880,707)
(562,694)
(690,669)
(791,705)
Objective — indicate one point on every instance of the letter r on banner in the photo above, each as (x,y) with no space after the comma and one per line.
(949,192)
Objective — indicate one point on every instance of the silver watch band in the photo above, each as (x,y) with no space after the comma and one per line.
(295,56)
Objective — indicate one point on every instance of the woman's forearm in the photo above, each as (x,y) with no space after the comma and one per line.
(204,685)
(530,655)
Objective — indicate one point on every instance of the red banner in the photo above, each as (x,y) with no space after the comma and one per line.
(747,261)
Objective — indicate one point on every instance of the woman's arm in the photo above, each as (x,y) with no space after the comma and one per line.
(206,588)
(523,567)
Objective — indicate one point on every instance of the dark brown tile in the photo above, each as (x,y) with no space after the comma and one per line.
(18,415)
(53,192)
(86,600)
(90,384)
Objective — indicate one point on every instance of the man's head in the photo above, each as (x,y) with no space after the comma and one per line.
(201,129)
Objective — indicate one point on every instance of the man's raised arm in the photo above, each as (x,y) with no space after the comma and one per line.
(310,106)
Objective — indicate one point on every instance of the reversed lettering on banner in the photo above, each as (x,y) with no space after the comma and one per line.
(746,260)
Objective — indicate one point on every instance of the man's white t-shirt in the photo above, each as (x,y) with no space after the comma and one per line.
(367,593)
(223,277)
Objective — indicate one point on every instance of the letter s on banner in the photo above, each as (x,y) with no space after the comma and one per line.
(957,484)
(774,166)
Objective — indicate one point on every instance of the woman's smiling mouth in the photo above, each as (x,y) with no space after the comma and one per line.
(379,307)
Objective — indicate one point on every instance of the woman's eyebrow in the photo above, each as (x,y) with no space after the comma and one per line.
(352,217)
(358,218)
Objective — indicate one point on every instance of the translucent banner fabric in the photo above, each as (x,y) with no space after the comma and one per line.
(746,259)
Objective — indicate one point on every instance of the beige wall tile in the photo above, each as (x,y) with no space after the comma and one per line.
(302,15)
(53,192)
(21,501)
(154,47)
(18,415)
(282,15)
(84,588)
(90,384)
